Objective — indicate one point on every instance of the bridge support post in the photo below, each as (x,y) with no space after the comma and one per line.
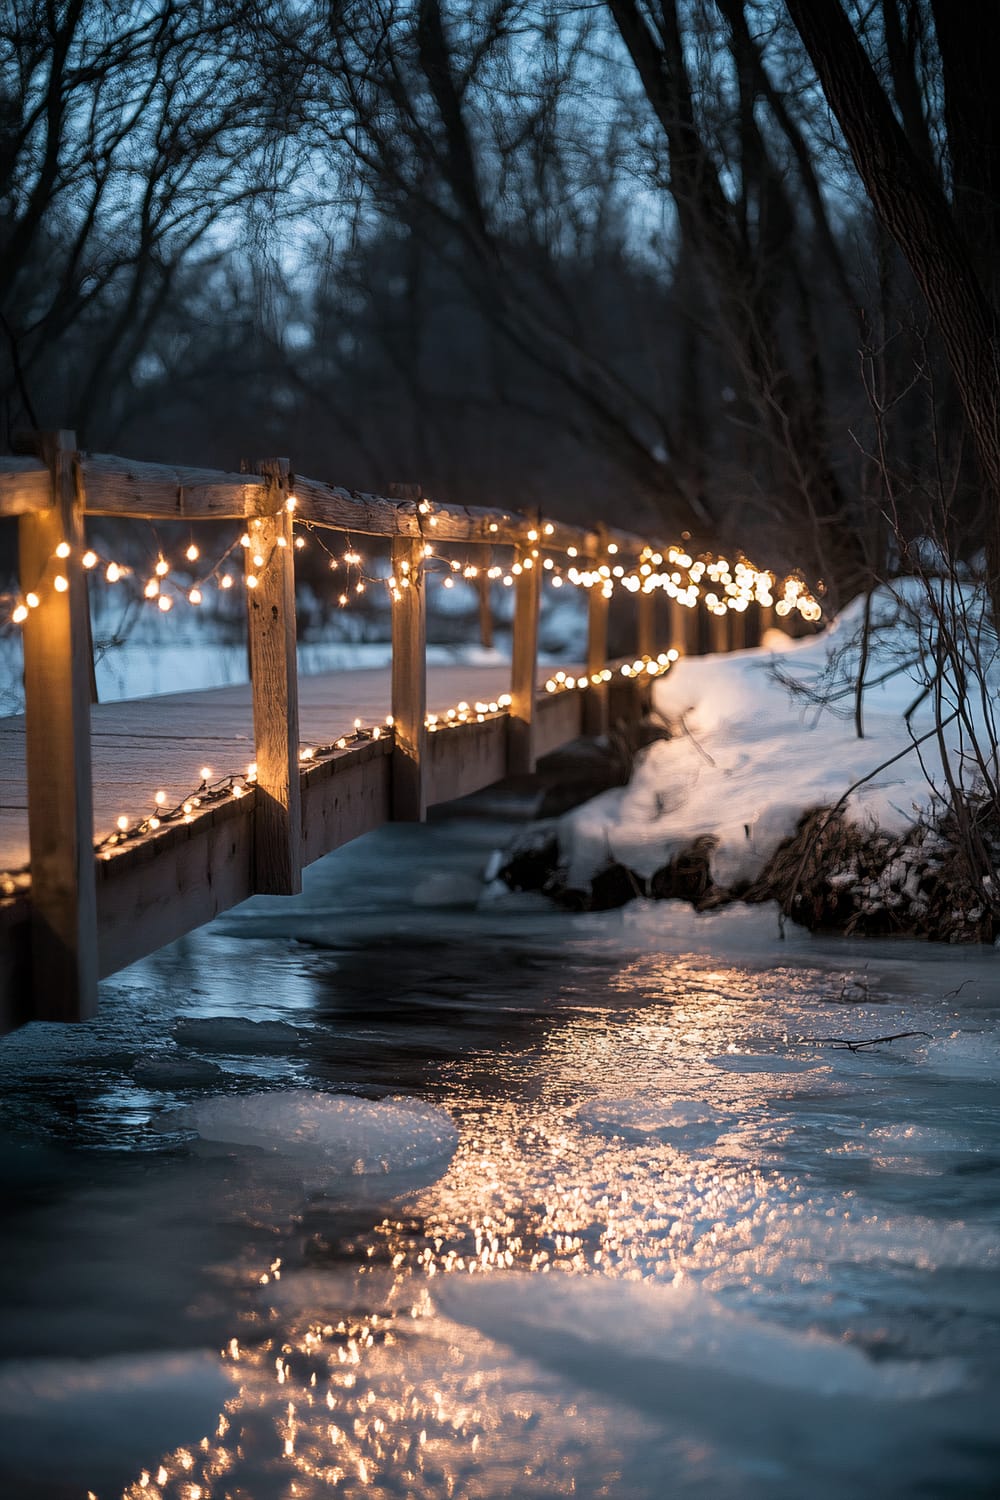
(409,681)
(270,576)
(718,633)
(683,629)
(646,623)
(524,665)
(57,668)
(737,629)
(595,703)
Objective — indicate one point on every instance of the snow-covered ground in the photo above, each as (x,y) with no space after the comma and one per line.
(750,753)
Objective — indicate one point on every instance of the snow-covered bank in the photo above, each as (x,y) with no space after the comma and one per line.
(761,738)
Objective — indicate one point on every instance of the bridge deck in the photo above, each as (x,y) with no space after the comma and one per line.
(156,888)
(143,745)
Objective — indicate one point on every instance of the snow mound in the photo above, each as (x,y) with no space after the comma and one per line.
(339,1137)
(234,1034)
(679,1328)
(749,756)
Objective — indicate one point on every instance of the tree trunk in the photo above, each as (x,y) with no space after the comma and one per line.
(912,206)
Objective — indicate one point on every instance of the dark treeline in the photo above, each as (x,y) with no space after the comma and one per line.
(706,265)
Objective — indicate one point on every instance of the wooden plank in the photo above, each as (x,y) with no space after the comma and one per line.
(25,486)
(409,681)
(558,719)
(270,566)
(524,665)
(57,749)
(595,709)
(113,486)
(466,758)
(737,629)
(153,893)
(346,796)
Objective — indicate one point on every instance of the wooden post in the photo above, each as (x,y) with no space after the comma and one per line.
(485,610)
(57,663)
(409,681)
(737,629)
(646,623)
(718,633)
(683,629)
(765,620)
(524,665)
(595,703)
(270,560)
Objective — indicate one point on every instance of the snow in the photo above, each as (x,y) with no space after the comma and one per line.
(749,756)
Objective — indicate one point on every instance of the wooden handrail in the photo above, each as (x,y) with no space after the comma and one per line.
(112,486)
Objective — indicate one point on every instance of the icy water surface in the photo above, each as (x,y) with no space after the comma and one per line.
(400,1190)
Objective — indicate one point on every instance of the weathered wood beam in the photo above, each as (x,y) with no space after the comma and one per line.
(113,486)
(25,486)
(270,564)
(57,747)
(409,681)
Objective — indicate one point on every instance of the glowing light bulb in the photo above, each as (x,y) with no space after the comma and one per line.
(252,581)
(60,584)
(152,588)
(258,560)
(164,604)
(291,503)
(112,572)
(194,597)
(122,823)
(192,554)
(162,568)
(32,600)
(20,613)
(63,549)
(160,799)
(226,581)
(89,559)
(206,773)
(300,542)
(245,539)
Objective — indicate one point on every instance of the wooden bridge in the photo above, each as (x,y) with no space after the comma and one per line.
(96,878)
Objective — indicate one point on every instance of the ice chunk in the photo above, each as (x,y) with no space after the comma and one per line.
(677,1327)
(686,1122)
(234,1034)
(61,1418)
(338,1139)
(170,1069)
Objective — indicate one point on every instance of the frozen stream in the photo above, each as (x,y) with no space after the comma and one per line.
(491,1201)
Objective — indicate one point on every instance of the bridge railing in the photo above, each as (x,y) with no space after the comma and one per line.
(52,488)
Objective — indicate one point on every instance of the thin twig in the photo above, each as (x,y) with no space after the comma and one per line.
(846,1044)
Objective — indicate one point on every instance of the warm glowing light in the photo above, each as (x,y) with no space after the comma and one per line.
(60,583)
(162,568)
(122,823)
(20,613)
(164,603)
(112,572)
(89,559)
(32,600)
(192,554)
(63,549)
